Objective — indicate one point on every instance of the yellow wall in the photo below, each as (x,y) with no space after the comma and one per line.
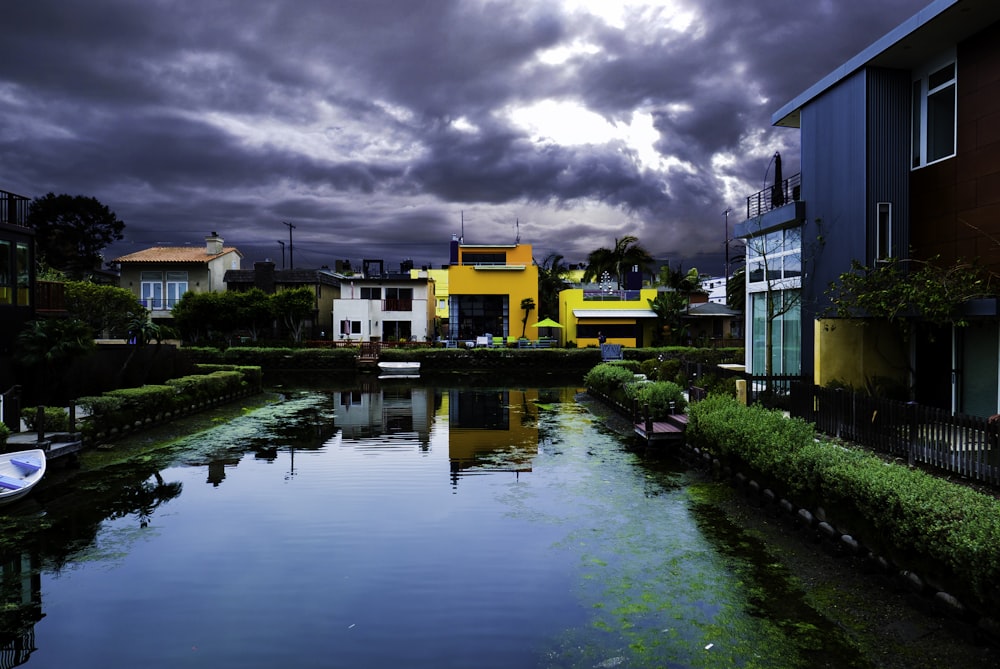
(572,299)
(855,351)
(517,279)
(440,279)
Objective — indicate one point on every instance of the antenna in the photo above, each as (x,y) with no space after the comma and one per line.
(462,236)
(517,237)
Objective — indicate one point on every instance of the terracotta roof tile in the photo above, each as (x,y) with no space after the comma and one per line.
(174,254)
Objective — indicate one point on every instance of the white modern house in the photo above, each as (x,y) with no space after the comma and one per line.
(381,306)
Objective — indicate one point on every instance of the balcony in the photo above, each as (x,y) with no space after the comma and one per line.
(397,305)
(14,209)
(774,197)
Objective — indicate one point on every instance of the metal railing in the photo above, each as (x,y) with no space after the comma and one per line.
(774,196)
(14,209)
(956,443)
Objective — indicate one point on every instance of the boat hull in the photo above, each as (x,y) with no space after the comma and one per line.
(20,471)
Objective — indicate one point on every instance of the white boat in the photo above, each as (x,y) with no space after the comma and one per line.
(19,472)
(410,368)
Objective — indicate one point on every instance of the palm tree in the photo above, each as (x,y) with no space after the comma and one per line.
(626,254)
(527,304)
(550,282)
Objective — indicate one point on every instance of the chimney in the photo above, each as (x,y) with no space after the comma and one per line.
(263,276)
(213,244)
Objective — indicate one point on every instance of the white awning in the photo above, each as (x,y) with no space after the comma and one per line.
(614,313)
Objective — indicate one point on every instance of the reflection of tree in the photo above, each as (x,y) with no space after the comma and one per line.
(143,499)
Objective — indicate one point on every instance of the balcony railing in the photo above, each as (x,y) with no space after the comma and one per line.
(397,305)
(14,209)
(775,196)
(613,295)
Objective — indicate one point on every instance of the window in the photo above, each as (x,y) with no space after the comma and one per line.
(368,293)
(177,285)
(484,258)
(883,230)
(151,284)
(779,252)
(162,290)
(398,299)
(348,328)
(934,111)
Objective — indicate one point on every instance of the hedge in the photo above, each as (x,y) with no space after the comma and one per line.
(122,409)
(949,529)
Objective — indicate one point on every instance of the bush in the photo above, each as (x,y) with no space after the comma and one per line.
(4,433)
(660,396)
(949,530)
(56,419)
(608,378)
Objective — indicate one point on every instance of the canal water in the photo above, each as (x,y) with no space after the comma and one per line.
(395,524)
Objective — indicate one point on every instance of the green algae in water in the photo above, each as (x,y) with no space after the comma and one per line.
(667,583)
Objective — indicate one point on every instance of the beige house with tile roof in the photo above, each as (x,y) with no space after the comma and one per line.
(160,275)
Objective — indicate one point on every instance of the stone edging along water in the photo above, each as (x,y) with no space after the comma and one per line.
(819,527)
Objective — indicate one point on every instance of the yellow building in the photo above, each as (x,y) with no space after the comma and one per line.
(440,279)
(622,316)
(486,286)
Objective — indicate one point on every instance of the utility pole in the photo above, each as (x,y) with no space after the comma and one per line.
(291,247)
(282,244)
(726,214)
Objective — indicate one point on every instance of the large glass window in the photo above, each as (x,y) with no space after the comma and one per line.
(786,332)
(934,111)
(774,256)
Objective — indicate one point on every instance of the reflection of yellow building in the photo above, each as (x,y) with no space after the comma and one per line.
(486,284)
(623,316)
(491,429)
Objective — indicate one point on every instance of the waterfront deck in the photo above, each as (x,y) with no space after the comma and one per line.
(55,444)
(669,430)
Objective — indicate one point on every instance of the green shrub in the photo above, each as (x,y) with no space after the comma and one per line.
(56,419)
(949,530)
(659,396)
(4,433)
(608,378)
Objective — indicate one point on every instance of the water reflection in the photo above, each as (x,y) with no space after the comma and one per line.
(33,540)
(488,429)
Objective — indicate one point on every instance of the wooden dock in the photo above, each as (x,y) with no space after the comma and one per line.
(670,429)
(56,445)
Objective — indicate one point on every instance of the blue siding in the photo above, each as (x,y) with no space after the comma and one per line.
(888,155)
(834,174)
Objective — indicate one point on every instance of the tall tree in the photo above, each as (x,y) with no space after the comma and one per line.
(72,231)
(551,281)
(626,254)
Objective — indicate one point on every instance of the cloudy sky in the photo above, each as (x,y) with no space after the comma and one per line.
(376,127)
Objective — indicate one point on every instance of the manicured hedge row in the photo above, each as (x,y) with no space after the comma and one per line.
(275,358)
(122,409)
(949,530)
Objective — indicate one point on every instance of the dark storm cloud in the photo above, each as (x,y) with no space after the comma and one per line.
(378,126)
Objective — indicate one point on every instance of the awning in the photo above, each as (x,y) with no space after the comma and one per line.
(614,313)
